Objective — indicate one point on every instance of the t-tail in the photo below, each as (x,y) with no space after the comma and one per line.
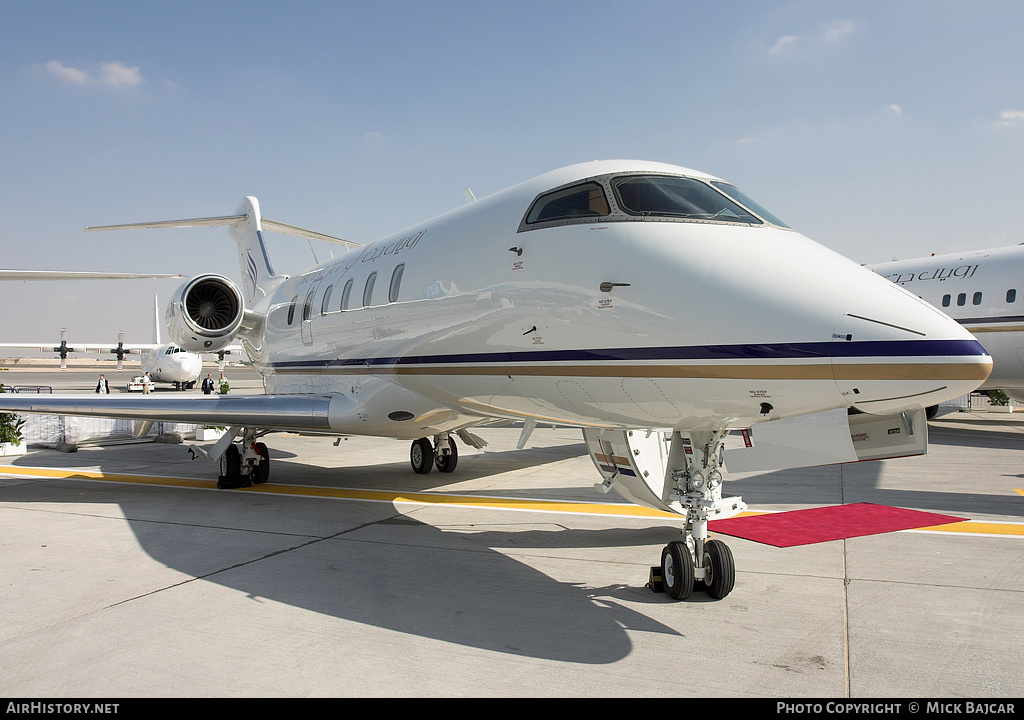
(246,227)
(208,312)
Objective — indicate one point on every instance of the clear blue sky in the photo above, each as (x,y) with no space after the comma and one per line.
(875,128)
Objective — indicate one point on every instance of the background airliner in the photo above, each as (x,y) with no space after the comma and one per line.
(983,290)
(165,362)
(653,306)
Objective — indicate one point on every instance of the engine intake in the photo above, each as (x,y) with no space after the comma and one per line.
(205,314)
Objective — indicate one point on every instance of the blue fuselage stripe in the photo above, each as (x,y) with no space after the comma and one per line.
(781,351)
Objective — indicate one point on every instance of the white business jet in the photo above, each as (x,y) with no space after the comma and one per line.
(653,306)
(983,290)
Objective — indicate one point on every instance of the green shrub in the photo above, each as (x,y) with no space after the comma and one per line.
(10,427)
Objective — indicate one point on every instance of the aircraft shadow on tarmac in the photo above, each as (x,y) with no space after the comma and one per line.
(376,564)
(373,563)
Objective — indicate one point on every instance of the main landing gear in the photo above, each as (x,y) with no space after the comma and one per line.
(424,455)
(680,473)
(244,465)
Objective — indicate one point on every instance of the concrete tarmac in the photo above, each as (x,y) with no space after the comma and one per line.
(124,572)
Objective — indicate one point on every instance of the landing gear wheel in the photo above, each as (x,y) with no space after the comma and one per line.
(720,570)
(231,470)
(421,455)
(261,473)
(447,463)
(677,570)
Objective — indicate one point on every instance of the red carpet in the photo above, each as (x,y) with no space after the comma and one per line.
(815,525)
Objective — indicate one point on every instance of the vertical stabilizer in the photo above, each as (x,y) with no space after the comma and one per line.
(257,271)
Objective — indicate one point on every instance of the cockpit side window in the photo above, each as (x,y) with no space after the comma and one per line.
(744,199)
(677,197)
(584,201)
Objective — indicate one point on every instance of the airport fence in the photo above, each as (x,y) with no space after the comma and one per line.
(81,431)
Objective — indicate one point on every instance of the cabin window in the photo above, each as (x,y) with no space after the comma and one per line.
(396,283)
(346,293)
(307,308)
(946,300)
(577,202)
(976,299)
(368,290)
(1011,296)
(291,310)
(327,299)
(961,299)
(677,197)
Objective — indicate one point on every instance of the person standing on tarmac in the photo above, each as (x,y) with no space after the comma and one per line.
(103,387)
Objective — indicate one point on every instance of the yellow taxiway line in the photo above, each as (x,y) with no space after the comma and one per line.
(417,498)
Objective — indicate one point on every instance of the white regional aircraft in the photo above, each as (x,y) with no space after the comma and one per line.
(653,306)
(983,290)
(165,362)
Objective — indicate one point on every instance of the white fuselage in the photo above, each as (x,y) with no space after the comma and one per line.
(983,291)
(171,364)
(705,324)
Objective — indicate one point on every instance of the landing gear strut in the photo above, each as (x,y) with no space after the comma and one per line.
(423,455)
(680,473)
(697,465)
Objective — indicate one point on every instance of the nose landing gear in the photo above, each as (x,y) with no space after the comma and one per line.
(681,473)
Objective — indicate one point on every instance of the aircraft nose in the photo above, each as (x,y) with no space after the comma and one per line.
(891,351)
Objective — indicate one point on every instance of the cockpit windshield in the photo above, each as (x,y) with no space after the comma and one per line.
(677,197)
(734,192)
(645,196)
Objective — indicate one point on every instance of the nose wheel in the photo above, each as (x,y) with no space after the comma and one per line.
(680,576)
(719,569)
(677,570)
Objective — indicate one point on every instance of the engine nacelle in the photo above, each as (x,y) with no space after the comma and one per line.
(205,314)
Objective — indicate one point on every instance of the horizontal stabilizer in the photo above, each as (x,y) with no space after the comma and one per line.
(221,220)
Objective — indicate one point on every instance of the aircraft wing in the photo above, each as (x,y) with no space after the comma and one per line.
(78,275)
(299,413)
